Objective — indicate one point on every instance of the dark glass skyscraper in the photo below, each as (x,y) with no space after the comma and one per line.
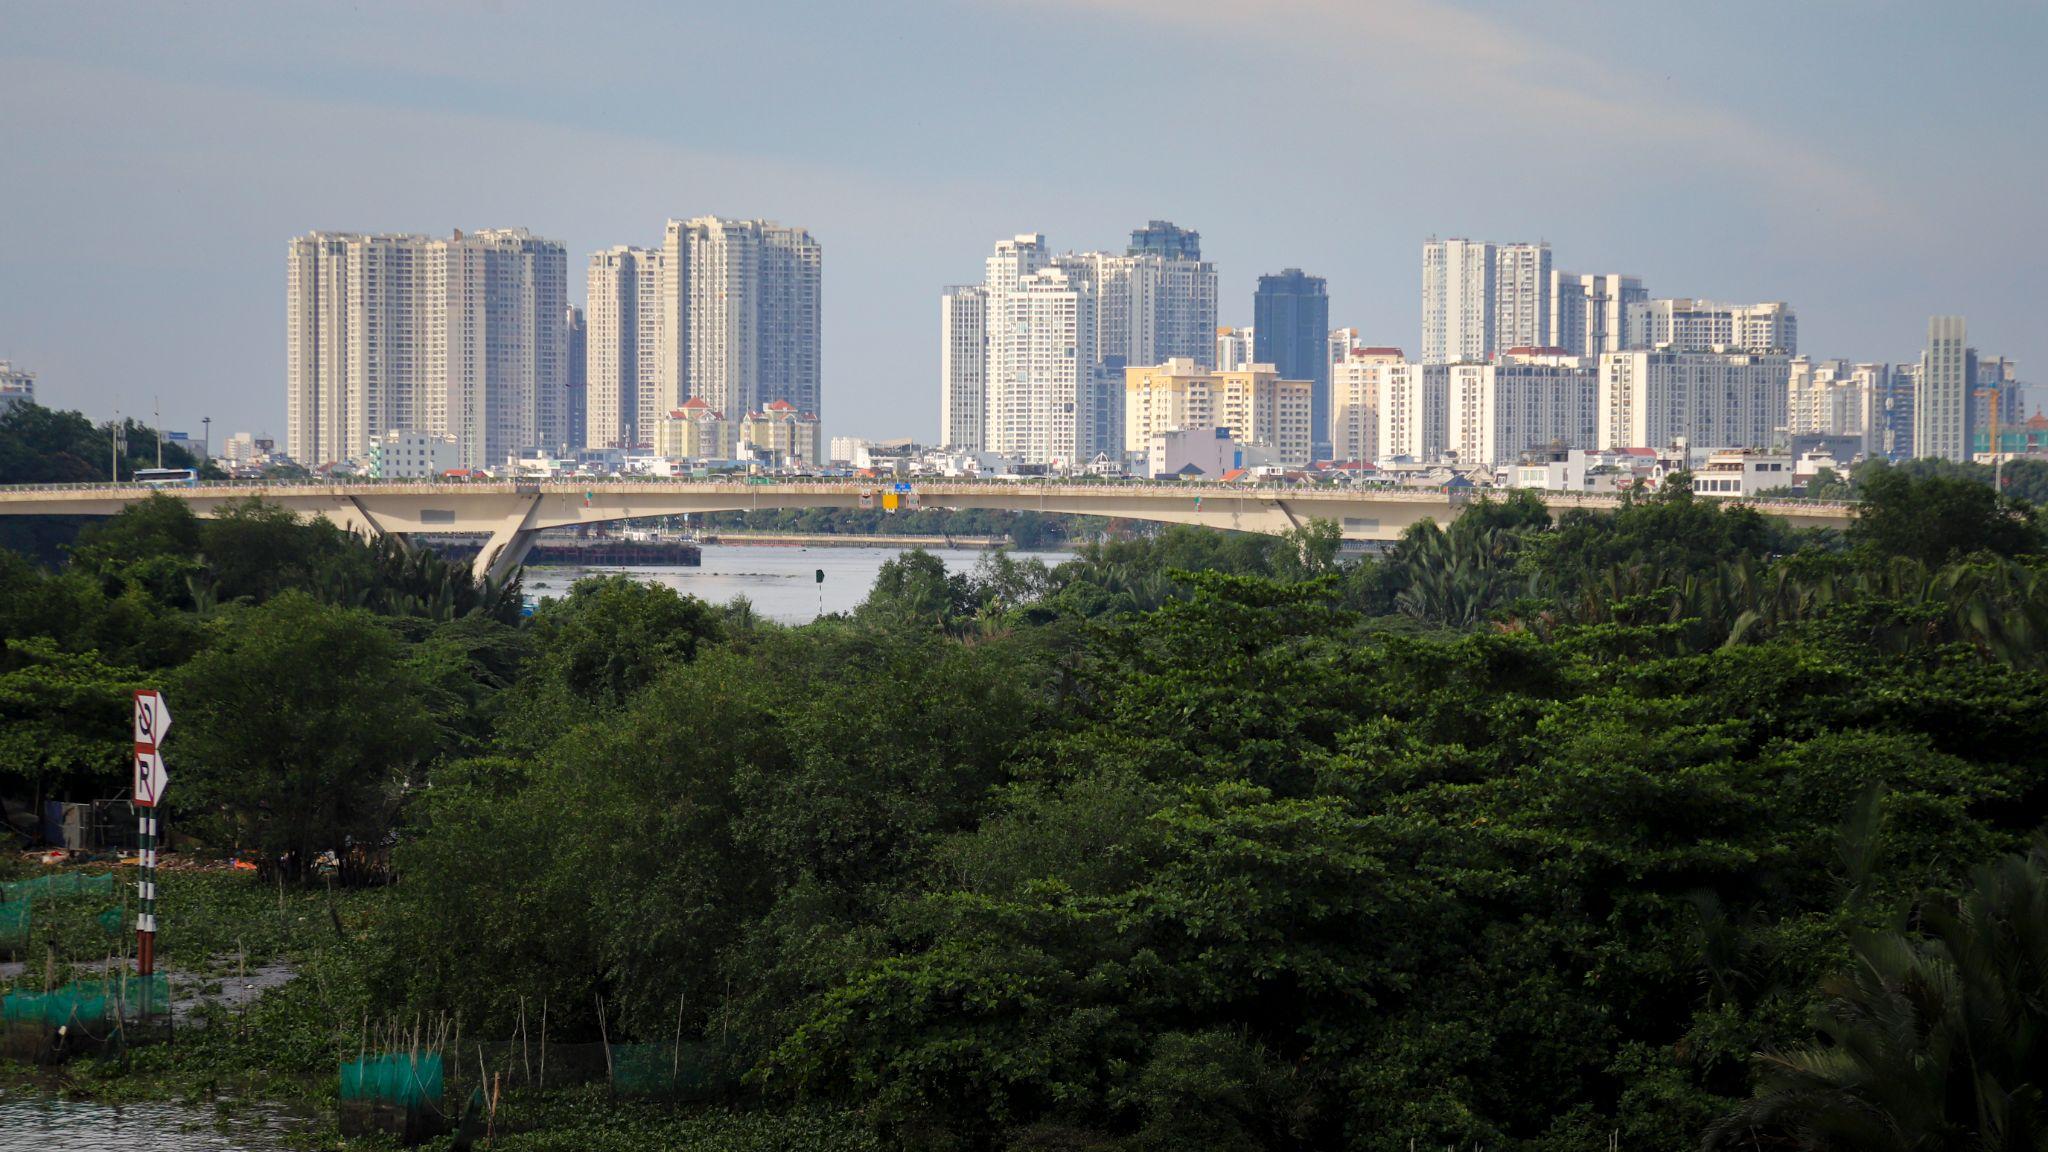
(1291,331)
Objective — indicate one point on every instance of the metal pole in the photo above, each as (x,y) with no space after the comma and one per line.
(205,440)
(159,419)
(114,446)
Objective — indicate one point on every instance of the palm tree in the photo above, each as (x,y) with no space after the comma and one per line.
(1934,1041)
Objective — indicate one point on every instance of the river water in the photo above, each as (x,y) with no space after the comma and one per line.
(38,1124)
(780,581)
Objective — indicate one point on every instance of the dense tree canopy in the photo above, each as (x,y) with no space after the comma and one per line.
(1528,832)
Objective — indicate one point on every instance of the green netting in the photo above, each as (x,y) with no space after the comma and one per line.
(88,1003)
(112,921)
(664,1069)
(642,1068)
(398,1078)
(57,884)
(14,926)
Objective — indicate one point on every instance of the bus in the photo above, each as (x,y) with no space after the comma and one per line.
(167,477)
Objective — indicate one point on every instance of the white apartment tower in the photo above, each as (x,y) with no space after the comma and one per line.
(1701,325)
(741,325)
(1521,296)
(623,342)
(1479,297)
(1648,399)
(1041,366)
(1415,412)
(1944,408)
(1520,401)
(1234,348)
(1148,308)
(1837,398)
(1589,314)
(963,367)
(464,337)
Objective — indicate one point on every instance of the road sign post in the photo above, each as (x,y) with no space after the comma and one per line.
(152,722)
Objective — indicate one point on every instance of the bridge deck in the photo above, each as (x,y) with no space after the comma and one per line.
(512,511)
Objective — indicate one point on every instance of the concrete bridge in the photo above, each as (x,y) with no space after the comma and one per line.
(513,512)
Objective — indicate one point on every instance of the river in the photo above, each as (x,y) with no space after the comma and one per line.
(37,1124)
(781,582)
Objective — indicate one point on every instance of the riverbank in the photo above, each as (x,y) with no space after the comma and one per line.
(277,993)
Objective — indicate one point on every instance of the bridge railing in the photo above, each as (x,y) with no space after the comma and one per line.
(937,486)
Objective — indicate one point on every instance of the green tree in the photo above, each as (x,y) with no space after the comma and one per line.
(299,729)
(1934,1040)
(1936,518)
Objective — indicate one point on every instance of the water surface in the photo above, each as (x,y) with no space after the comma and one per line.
(781,582)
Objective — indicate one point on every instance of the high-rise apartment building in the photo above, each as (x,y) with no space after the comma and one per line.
(624,393)
(1042,367)
(1589,314)
(1892,412)
(1340,345)
(1415,412)
(1944,403)
(1355,389)
(1155,302)
(1479,297)
(742,315)
(464,337)
(1648,399)
(1521,296)
(1166,240)
(578,412)
(963,367)
(1835,398)
(1522,399)
(2000,377)
(1291,332)
(1180,395)
(1703,325)
(1234,348)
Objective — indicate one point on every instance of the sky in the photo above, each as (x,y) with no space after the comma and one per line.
(1872,163)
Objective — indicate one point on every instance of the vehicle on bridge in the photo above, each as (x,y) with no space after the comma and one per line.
(168,477)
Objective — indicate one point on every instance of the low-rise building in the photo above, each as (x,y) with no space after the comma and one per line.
(693,431)
(1255,405)
(1739,474)
(17,386)
(1594,470)
(410,454)
(781,434)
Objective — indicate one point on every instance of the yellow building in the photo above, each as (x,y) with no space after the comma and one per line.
(694,431)
(1256,405)
(1356,385)
(782,433)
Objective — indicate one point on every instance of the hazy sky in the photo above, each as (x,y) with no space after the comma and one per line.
(1869,162)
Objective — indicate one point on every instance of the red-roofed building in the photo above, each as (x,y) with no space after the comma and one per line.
(693,430)
(781,433)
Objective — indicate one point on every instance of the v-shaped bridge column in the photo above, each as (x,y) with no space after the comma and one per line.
(506,550)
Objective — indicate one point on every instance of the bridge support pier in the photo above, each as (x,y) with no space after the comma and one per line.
(506,550)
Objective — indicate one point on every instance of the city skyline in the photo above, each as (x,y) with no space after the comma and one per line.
(122,152)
